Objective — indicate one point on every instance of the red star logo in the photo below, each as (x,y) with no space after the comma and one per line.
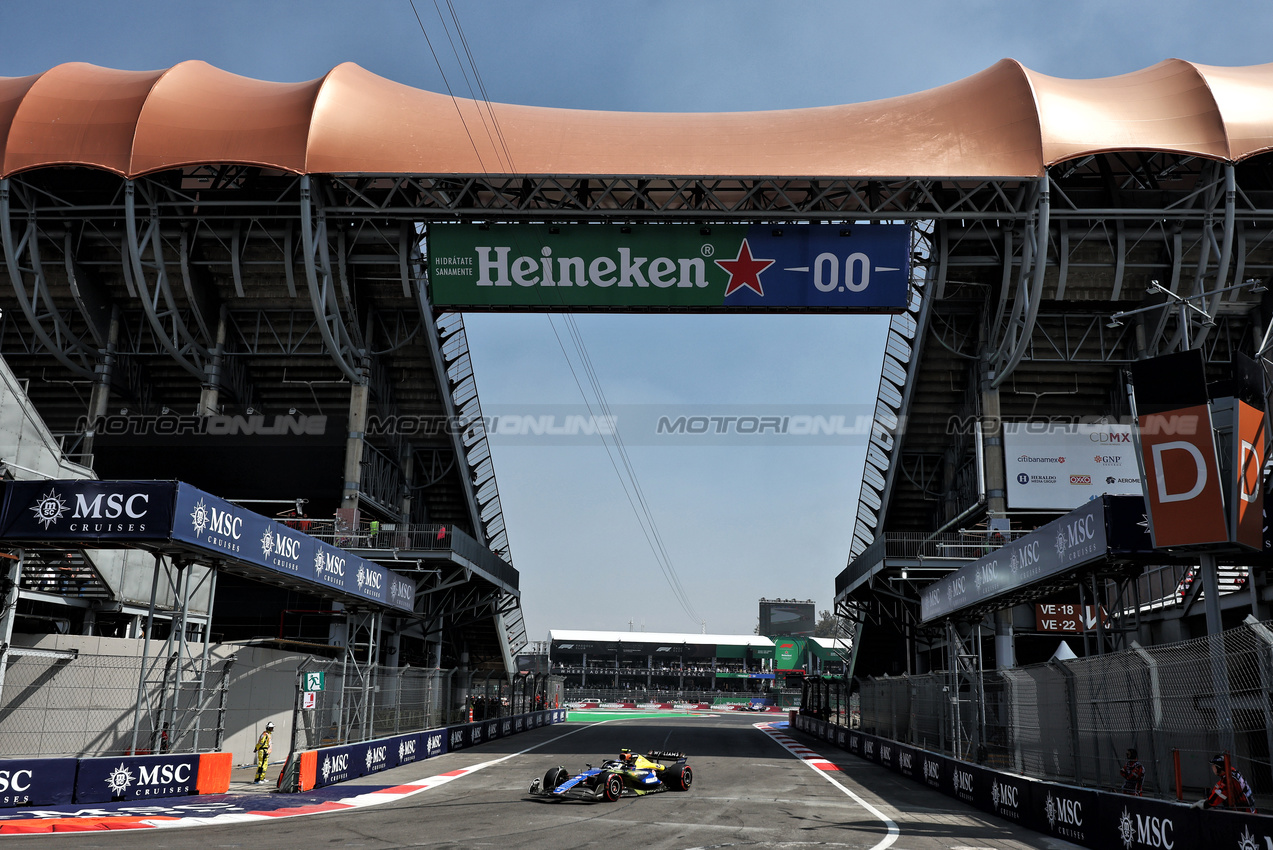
(744,271)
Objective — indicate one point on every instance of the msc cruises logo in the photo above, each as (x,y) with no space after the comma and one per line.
(119,780)
(267,542)
(361,577)
(200,518)
(49,509)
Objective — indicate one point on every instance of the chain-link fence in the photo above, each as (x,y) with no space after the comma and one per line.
(341,703)
(79,704)
(1177,704)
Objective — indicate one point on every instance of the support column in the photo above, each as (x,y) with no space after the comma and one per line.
(996,500)
(210,394)
(10,586)
(99,397)
(1215,644)
(358,396)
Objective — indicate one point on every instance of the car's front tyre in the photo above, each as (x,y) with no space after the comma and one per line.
(612,787)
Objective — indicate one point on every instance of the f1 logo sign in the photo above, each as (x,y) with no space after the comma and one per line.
(1182,477)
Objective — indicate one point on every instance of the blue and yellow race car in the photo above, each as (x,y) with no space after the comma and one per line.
(630,774)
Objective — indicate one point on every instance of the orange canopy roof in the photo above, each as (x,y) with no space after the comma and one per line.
(1006,121)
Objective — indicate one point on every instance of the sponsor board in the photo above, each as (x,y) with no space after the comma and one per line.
(87,510)
(101,780)
(934,771)
(907,762)
(675,267)
(36,782)
(1065,812)
(1138,823)
(1061,465)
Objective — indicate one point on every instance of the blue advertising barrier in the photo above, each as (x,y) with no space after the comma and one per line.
(1092,818)
(350,761)
(102,780)
(36,782)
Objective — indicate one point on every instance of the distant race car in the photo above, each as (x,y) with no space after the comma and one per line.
(630,774)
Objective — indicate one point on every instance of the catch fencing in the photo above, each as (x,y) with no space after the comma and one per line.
(359,704)
(1072,721)
(71,703)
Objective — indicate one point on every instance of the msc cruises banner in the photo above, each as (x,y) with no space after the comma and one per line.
(155,512)
(217,525)
(1063,544)
(858,269)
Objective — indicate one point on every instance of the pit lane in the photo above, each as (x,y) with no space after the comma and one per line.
(748,792)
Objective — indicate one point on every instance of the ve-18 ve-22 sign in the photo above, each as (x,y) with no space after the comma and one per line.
(670,267)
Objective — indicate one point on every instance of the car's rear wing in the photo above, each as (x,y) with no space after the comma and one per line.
(665,755)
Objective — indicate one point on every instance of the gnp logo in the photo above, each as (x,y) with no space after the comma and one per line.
(433,745)
(1108,460)
(1080,479)
(1145,831)
(50,508)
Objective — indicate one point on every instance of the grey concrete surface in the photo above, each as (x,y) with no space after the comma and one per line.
(748,792)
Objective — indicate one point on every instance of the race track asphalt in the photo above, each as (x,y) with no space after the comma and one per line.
(749,791)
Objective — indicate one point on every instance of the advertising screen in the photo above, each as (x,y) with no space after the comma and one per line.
(1059,466)
(787,618)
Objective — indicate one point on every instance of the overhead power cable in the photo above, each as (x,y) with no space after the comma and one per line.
(627,476)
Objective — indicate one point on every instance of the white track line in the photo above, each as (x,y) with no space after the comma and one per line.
(825,769)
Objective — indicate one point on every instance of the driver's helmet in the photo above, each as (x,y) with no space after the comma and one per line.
(627,756)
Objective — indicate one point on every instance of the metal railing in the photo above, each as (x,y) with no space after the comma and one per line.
(378,702)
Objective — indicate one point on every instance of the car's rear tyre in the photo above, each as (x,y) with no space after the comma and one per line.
(554,777)
(612,788)
(680,778)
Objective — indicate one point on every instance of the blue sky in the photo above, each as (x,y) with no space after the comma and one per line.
(739,522)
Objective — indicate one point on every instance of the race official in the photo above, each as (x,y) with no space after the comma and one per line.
(1231,792)
(1133,773)
(263,745)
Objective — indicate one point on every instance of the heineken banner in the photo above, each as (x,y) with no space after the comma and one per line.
(672,267)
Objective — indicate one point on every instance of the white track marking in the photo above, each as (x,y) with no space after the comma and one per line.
(825,768)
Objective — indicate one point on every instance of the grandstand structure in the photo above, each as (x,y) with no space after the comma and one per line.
(190,243)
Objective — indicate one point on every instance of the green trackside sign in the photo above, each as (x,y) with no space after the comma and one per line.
(670,267)
(788,653)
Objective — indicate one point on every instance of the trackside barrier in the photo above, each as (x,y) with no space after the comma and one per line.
(36,782)
(1098,819)
(331,765)
(103,780)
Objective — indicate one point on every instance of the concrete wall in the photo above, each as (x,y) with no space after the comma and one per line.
(87,704)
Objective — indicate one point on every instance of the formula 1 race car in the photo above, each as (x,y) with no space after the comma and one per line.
(630,774)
